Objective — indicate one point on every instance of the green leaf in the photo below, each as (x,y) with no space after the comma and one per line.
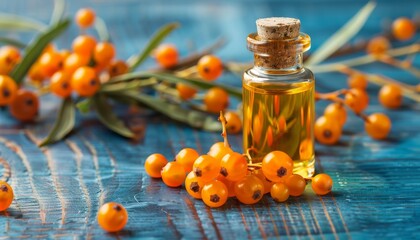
(34,50)
(236,92)
(63,124)
(84,105)
(123,86)
(13,42)
(16,23)
(157,38)
(58,11)
(102,30)
(108,118)
(196,119)
(342,36)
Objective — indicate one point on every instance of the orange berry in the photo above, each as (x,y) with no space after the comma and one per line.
(8,90)
(6,195)
(104,52)
(24,106)
(249,190)
(296,185)
(378,45)
(234,166)
(327,130)
(166,55)
(357,100)
(9,57)
(357,81)
(279,192)
(214,194)
(210,67)
(336,111)
(50,62)
(390,96)
(112,217)
(206,168)
(186,157)
(154,165)
(229,185)
(185,92)
(322,184)
(74,61)
(277,166)
(36,73)
(234,123)
(85,82)
(403,29)
(117,67)
(219,150)
(64,54)
(216,100)
(85,17)
(378,126)
(194,185)
(84,45)
(60,84)
(267,183)
(173,174)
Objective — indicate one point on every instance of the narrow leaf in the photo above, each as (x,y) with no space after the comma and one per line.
(236,92)
(13,42)
(84,105)
(63,124)
(58,11)
(15,23)
(34,50)
(342,36)
(157,38)
(123,86)
(102,30)
(108,118)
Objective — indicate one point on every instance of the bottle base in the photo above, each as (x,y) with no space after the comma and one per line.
(305,168)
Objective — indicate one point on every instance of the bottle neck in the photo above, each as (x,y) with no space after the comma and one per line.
(290,65)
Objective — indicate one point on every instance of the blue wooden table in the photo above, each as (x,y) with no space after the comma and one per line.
(59,189)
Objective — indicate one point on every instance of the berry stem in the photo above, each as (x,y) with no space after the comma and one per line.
(332,96)
(404,65)
(222,119)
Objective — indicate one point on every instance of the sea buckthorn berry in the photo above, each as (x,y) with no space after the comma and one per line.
(322,184)
(357,81)
(234,166)
(229,185)
(173,174)
(378,126)
(60,84)
(49,48)
(74,61)
(6,195)
(8,90)
(210,67)
(216,100)
(357,100)
(277,166)
(219,150)
(378,45)
(390,96)
(64,54)
(84,45)
(327,130)
(267,183)
(85,82)
(337,112)
(185,92)
(50,62)
(296,185)
(403,29)
(206,168)
(249,190)
(9,57)
(112,217)
(154,165)
(104,52)
(85,17)
(234,123)
(24,106)
(214,194)
(166,55)
(186,157)
(117,67)
(194,185)
(36,73)
(279,192)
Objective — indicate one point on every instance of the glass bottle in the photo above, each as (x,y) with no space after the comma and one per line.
(278,95)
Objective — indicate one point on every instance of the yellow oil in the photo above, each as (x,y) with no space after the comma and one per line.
(279,116)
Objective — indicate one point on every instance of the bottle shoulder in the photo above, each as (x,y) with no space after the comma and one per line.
(256,75)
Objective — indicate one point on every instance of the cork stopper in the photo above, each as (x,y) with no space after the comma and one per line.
(278,28)
(276,48)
